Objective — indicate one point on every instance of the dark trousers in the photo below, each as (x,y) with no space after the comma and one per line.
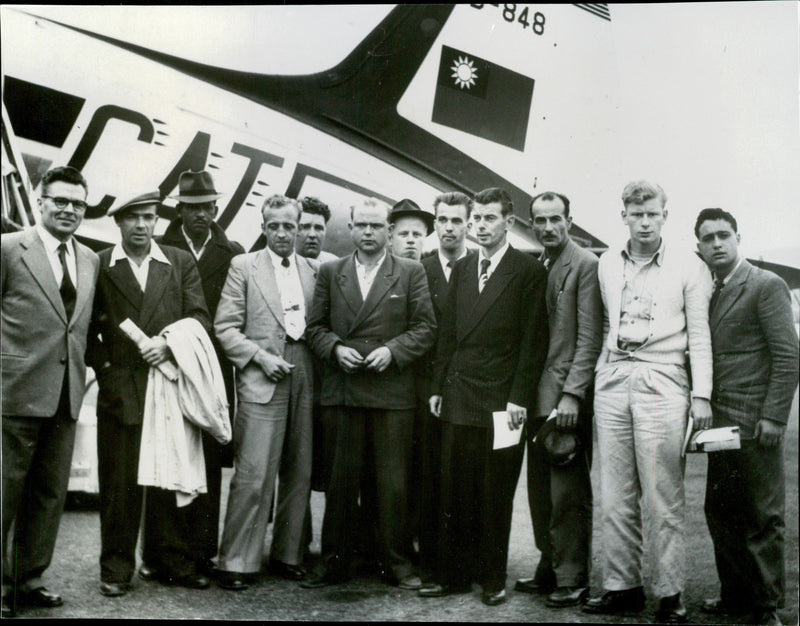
(205,508)
(745,506)
(372,446)
(477,492)
(560,500)
(429,488)
(37,455)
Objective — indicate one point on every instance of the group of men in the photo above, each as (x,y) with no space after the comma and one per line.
(382,376)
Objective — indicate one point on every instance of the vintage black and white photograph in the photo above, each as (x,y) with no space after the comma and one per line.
(416,312)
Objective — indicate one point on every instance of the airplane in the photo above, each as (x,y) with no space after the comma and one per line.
(426,99)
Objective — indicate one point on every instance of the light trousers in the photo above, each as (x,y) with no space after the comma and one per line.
(640,413)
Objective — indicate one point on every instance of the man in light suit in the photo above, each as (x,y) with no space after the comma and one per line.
(261,326)
(153,286)
(560,497)
(48,282)
(755,376)
(489,357)
(370,320)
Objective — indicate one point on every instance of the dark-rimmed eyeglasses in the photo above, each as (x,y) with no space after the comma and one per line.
(62,203)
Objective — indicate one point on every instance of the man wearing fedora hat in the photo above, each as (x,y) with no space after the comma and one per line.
(153,286)
(559,449)
(408,227)
(195,231)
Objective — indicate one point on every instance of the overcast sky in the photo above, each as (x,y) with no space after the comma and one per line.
(707,92)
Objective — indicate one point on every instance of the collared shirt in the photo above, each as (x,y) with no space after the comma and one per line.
(640,283)
(367,276)
(291,292)
(447,265)
(495,261)
(730,274)
(197,253)
(140,272)
(51,248)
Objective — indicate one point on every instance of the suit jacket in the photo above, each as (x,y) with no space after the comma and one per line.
(397,313)
(575,318)
(755,349)
(492,345)
(173,292)
(250,318)
(38,342)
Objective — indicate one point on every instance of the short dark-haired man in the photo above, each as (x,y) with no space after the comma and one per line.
(312,230)
(560,496)
(755,376)
(195,231)
(371,319)
(489,358)
(153,286)
(46,291)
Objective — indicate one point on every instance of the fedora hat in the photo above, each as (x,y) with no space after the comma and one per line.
(151,197)
(560,446)
(409,208)
(196,187)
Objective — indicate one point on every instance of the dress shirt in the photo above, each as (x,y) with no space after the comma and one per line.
(291,292)
(640,282)
(495,261)
(447,265)
(51,248)
(197,253)
(139,271)
(367,276)
(731,273)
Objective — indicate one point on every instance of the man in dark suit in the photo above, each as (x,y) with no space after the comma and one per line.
(451,222)
(755,351)
(196,231)
(371,318)
(47,287)
(560,496)
(153,286)
(489,358)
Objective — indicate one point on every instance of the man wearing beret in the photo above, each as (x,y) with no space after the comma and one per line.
(195,231)
(153,286)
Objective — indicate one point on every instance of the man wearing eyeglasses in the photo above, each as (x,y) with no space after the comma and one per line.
(153,286)
(48,282)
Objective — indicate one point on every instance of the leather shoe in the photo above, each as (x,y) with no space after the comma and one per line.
(412,583)
(315,580)
(493,598)
(611,602)
(9,610)
(435,590)
(766,617)
(567,596)
(40,597)
(718,606)
(232,581)
(532,585)
(286,570)
(190,581)
(114,590)
(148,573)
(671,611)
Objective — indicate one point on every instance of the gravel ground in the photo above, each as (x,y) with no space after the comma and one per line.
(74,574)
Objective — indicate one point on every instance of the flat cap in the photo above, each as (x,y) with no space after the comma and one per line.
(409,208)
(151,197)
(561,446)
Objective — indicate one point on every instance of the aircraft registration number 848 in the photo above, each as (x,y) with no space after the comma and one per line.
(509,11)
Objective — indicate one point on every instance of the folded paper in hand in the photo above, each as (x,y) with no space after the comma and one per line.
(714,439)
(138,337)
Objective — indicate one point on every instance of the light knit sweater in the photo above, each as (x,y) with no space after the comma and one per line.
(679,315)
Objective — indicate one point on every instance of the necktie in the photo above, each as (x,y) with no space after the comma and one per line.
(285,262)
(485,263)
(67,289)
(715,295)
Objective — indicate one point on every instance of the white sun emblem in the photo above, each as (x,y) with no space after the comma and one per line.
(464,72)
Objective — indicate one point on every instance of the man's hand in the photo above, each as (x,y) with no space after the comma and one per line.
(379,359)
(155,351)
(516,415)
(567,417)
(435,403)
(701,412)
(273,365)
(769,433)
(348,358)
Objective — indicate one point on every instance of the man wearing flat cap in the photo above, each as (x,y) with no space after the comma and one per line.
(195,231)
(153,286)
